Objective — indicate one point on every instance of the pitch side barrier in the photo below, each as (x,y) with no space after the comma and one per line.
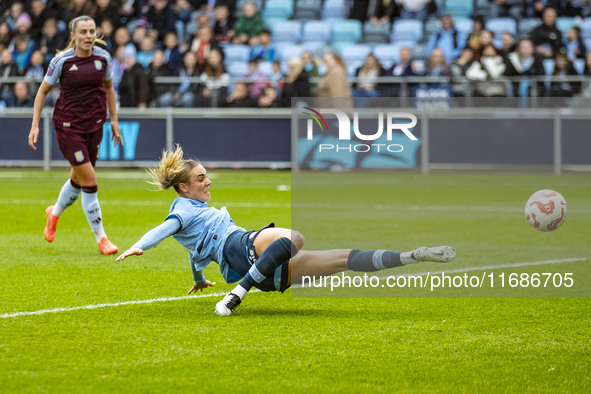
(512,138)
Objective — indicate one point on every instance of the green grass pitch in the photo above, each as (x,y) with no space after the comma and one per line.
(279,342)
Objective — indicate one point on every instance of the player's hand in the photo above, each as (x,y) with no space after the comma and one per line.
(33,135)
(130,252)
(116,134)
(201,286)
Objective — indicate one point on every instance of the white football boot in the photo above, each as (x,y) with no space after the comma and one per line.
(438,254)
(226,306)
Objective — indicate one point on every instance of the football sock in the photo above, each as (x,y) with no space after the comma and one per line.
(276,254)
(92,210)
(373,260)
(68,195)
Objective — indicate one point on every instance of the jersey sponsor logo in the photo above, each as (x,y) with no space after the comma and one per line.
(50,70)
(79,156)
(99,121)
(98,64)
(66,124)
(73,68)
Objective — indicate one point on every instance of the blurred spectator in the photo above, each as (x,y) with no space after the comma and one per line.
(367,76)
(36,70)
(172,52)
(509,43)
(309,64)
(202,44)
(490,67)
(268,98)
(570,8)
(76,8)
(23,25)
(184,95)
(485,39)
(436,64)
(503,8)
(161,18)
(458,69)
(546,38)
(524,62)
(214,80)
(587,70)
(51,41)
(223,28)
(146,52)
(16,10)
(139,33)
(130,10)
(415,9)
(203,20)
(5,34)
(263,50)
(7,66)
(276,76)
(575,47)
(23,49)
(564,67)
(249,25)
(473,40)
(39,14)
(118,65)
(209,5)
(158,68)
(105,30)
(334,82)
(254,75)
(183,10)
(133,88)
(21,97)
(384,11)
(106,9)
(406,67)
(447,38)
(296,83)
(240,97)
(121,38)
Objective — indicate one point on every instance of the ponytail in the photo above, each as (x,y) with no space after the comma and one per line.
(172,170)
(72,28)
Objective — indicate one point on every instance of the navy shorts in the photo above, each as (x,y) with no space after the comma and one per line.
(79,148)
(240,253)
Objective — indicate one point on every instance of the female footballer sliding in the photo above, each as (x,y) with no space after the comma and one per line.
(268,259)
(86,91)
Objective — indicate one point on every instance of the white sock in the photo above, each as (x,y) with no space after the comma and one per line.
(68,195)
(92,210)
(240,292)
(406,258)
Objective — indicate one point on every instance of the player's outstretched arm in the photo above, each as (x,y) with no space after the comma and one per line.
(152,238)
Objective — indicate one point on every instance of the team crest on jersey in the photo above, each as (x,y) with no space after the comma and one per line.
(98,64)
(79,156)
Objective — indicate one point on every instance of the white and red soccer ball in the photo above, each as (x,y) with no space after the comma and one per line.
(545,210)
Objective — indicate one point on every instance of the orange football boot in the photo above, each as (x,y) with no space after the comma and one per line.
(49,231)
(106,247)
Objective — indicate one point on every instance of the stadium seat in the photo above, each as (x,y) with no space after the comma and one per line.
(316,31)
(407,30)
(376,33)
(579,65)
(346,31)
(333,9)
(352,68)
(430,26)
(501,25)
(266,68)
(237,69)
(389,53)
(526,25)
(355,53)
(278,9)
(236,53)
(307,9)
(287,31)
(419,51)
(464,26)
(586,28)
(270,23)
(565,23)
(286,52)
(549,66)
(458,7)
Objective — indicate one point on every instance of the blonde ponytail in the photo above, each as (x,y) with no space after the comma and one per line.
(172,169)
(72,28)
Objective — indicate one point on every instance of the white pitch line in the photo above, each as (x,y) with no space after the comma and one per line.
(164,299)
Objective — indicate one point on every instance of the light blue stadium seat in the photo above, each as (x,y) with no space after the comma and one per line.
(352,68)
(419,51)
(586,28)
(565,23)
(464,26)
(307,9)
(376,33)
(459,7)
(526,25)
(549,66)
(587,42)
(236,53)
(407,30)
(355,53)
(389,53)
(333,9)
(500,25)
(287,31)
(266,68)
(237,69)
(346,31)
(278,9)
(316,31)
(286,52)
(430,26)
(272,22)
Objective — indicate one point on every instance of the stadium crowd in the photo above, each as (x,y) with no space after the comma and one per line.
(238,53)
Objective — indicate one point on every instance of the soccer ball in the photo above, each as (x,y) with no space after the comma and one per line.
(545,210)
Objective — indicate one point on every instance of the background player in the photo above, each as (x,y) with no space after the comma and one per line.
(86,91)
(268,259)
